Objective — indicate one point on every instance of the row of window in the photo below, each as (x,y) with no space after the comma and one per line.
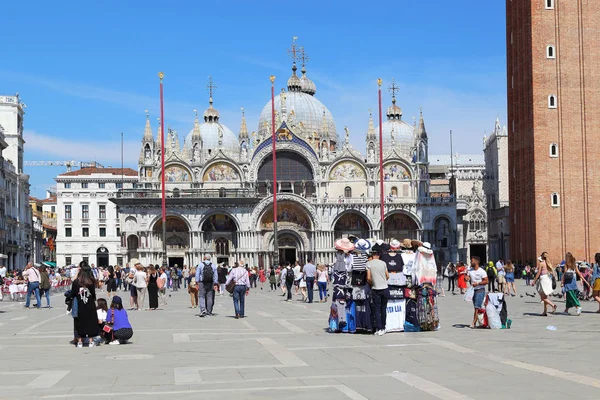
(85,232)
(551,53)
(86,185)
(85,211)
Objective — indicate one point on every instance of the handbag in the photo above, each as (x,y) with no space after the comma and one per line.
(74,308)
(160,283)
(553,282)
(230,286)
(107,328)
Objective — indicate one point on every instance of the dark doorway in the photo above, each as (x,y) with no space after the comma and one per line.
(479,251)
(176,260)
(102,257)
(223,260)
(287,255)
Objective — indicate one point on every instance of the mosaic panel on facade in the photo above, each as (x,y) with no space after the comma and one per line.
(347,170)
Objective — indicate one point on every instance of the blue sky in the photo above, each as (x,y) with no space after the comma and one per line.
(88,71)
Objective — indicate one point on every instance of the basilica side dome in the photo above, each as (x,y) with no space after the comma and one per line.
(210,131)
(396,132)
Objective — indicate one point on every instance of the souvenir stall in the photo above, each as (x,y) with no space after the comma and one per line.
(412,302)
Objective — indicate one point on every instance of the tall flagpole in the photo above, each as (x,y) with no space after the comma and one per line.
(381,197)
(275,235)
(162,178)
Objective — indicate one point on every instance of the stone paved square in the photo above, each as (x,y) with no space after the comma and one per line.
(283,350)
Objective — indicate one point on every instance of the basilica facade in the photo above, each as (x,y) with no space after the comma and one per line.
(220,191)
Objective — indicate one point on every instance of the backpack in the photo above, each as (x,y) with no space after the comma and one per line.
(491,272)
(289,276)
(208,275)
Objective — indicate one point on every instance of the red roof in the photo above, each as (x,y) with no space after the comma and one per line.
(31,198)
(95,170)
(51,199)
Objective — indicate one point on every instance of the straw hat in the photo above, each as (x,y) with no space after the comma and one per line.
(134,262)
(415,244)
(407,244)
(344,244)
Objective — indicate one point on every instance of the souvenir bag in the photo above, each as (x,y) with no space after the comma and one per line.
(411,321)
(338,293)
(359,278)
(333,318)
(160,283)
(396,292)
(427,309)
(350,326)
(339,277)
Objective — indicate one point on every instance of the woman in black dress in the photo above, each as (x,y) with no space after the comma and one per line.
(152,287)
(83,291)
(111,282)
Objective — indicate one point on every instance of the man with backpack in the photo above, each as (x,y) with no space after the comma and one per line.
(207,280)
(174,278)
(492,273)
(287,278)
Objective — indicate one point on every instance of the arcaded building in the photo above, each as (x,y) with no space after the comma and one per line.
(219,186)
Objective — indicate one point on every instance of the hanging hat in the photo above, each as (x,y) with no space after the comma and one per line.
(425,247)
(376,249)
(353,238)
(344,244)
(395,244)
(379,241)
(407,244)
(363,245)
(415,244)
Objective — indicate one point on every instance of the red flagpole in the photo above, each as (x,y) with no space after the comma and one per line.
(162,178)
(381,194)
(274,140)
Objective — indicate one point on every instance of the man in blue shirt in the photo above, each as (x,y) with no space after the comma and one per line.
(309,274)
(207,280)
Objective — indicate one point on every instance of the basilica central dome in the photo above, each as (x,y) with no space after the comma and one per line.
(306,115)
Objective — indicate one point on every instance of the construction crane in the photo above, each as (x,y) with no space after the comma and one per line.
(68,164)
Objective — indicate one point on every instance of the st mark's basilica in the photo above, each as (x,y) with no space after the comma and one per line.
(220,192)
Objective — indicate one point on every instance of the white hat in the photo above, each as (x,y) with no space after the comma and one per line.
(425,248)
(395,244)
(363,245)
(134,261)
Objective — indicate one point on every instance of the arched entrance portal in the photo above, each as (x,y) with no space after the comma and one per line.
(288,249)
(220,234)
(400,226)
(178,237)
(351,223)
(102,257)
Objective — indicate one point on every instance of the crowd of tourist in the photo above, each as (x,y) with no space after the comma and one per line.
(99,320)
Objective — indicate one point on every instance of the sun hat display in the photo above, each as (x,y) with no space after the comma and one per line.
(415,244)
(407,244)
(353,238)
(344,245)
(425,247)
(362,245)
(395,244)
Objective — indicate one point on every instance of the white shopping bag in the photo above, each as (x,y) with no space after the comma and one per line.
(469,294)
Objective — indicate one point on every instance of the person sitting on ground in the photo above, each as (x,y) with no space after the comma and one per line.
(117,317)
(101,312)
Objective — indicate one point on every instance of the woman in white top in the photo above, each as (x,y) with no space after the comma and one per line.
(139,281)
(322,280)
(302,284)
(102,312)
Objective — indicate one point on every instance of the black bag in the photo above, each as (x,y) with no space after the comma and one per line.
(553,282)
(289,276)
(359,278)
(208,275)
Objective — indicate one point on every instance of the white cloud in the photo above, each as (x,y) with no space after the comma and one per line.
(48,147)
